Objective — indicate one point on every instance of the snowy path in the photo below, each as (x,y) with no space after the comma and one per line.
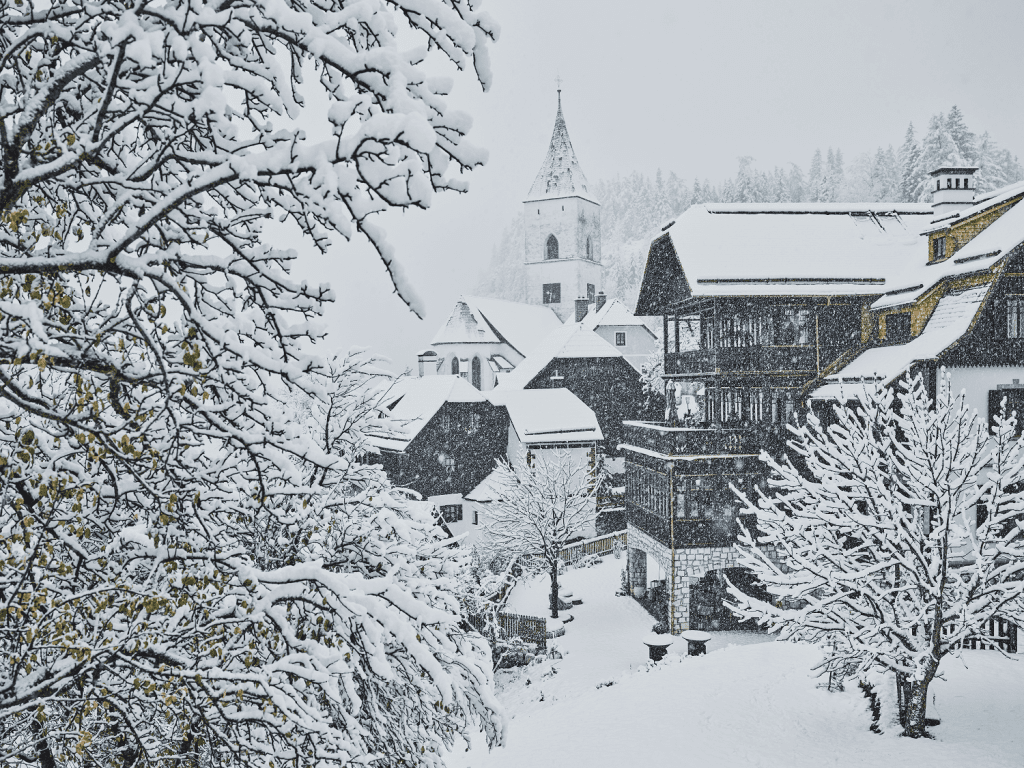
(747,703)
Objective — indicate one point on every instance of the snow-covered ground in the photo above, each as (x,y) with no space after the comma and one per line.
(749,702)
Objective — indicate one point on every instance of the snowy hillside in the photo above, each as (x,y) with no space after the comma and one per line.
(749,702)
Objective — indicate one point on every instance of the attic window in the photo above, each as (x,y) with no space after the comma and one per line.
(965,183)
(958,183)
(938,248)
(620,339)
(949,183)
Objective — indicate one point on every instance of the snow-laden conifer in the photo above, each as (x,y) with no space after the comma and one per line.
(879,558)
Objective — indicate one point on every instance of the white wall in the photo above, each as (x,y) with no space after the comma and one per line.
(465,525)
(571,220)
(640,342)
(978,381)
(466,351)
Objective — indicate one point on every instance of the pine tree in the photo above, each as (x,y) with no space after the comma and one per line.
(814,178)
(911,172)
(962,138)
(795,184)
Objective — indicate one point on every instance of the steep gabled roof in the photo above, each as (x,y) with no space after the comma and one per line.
(569,341)
(560,174)
(548,415)
(614,312)
(983,252)
(477,319)
(783,249)
(952,319)
(412,403)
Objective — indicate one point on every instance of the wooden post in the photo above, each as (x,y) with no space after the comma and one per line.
(672,544)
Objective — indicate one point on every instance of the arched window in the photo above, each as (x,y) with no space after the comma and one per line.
(455,366)
(590,250)
(551,250)
(475,372)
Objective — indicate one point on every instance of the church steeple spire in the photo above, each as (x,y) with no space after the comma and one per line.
(560,174)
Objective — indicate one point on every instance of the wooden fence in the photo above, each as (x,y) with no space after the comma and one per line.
(532,629)
(997,633)
(600,545)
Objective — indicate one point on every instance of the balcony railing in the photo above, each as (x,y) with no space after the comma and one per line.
(688,533)
(736,359)
(670,441)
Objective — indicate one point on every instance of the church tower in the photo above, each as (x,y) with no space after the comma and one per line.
(563,230)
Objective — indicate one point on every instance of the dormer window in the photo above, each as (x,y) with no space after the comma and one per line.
(965,183)
(949,183)
(938,248)
(958,184)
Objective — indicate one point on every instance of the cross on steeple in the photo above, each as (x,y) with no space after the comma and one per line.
(558,85)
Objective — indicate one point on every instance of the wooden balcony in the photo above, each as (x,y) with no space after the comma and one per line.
(664,441)
(688,533)
(743,359)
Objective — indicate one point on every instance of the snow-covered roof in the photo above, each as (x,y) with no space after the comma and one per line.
(614,312)
(982,252)
(786,249)
(477,319)
(983,203)
(412,402)
(569,341)
(548,415)
(951,319)
(490,489)
(560,174)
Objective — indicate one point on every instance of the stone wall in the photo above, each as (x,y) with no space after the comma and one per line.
(691,564)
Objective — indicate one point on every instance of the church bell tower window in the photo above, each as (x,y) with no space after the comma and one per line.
(551,249)
(590,250)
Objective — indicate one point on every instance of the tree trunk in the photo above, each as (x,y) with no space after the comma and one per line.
(915,702)
(554,589)
(42,746)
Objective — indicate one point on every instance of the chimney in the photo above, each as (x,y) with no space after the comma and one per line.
(601,299)
(582,305)
(953,190)
(427,362)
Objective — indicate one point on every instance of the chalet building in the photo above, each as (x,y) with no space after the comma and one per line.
(541,421)
(579,360)
(768,309)
(440,439)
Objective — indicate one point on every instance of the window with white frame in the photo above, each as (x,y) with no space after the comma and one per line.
(620,339)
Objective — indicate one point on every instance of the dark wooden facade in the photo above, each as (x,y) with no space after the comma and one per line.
(609,386)
(454,451)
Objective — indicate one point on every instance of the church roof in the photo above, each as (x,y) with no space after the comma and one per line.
(493,321)
(570,341)
(560,175)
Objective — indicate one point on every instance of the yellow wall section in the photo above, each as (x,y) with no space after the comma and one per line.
(962,232)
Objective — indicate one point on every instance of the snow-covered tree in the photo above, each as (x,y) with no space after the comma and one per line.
(546,501)
(912,175)
(880,560)
(155,481)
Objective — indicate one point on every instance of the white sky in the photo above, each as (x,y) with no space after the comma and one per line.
(682,86)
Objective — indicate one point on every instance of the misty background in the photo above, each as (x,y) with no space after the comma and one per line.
(737,97)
